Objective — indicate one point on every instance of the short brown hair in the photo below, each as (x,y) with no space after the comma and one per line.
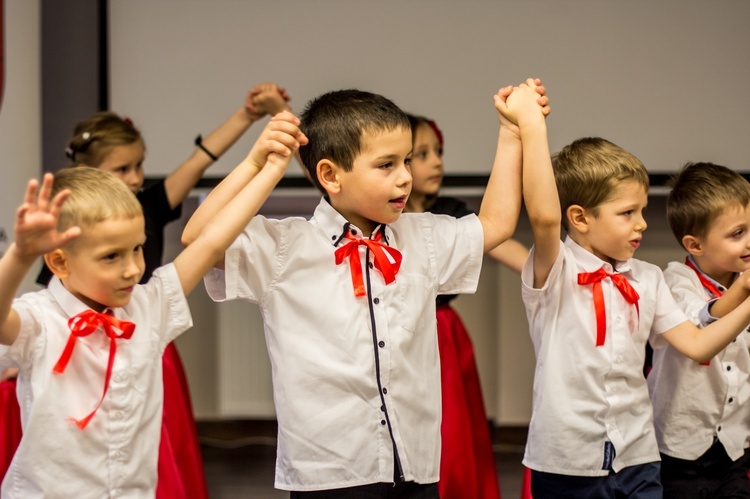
(588,170)
(700,193)
(94,137)
(95,196)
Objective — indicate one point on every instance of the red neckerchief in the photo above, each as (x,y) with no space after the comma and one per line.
(84,324)
(707,285)
(621,283)
(387,259)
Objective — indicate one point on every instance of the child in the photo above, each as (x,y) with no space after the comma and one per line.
(113,144)
(702,411)
(348,300)
(467,461)
(91,235)
(591,307)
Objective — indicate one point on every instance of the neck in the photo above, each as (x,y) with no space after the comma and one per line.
(723,277)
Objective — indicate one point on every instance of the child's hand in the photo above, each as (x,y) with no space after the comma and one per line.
(508,120)
(36,221)
(9,373)
(266,98)
(523,104)
(281,136)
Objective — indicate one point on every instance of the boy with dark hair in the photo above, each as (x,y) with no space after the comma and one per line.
(702,410)
(348,299)
(591,308)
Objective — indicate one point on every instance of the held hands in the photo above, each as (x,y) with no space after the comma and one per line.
(266,98)
(36,221)
(521,105)
(280,139)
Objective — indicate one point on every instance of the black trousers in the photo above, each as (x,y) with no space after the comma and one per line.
(401,490)
(711,476)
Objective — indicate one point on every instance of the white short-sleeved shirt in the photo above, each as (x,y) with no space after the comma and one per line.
(584,395)
(694,403)
(352,376)
(116,454)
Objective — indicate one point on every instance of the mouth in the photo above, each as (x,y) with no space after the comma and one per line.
(635,243)
(398,203)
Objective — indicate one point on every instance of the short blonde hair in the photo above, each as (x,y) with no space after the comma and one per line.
(700,193)
(95,196)
(588,171)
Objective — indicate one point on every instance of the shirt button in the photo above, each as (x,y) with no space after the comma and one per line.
(718,429)
(385,390)
(376,301)
(730,400)
(729,368)
(370,264)
(381,344)
(382,408)
(619,318)
(354,232)
(382,422)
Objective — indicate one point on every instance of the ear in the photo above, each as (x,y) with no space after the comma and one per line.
(328,176)
(577,218)
(693,245)
(57,261)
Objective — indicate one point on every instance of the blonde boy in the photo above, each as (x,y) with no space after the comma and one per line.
(348,299)
(88,347)
(702,410)
(591,308)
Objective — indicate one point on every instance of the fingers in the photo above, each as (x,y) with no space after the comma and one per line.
(45,192)
(69,235)
(31,188)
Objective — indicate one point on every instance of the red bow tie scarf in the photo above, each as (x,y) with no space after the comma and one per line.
(621,283)
(84,324)
(387,260)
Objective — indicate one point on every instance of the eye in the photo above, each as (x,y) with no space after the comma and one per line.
(110,257)
(138,249)
(439,152)
(628,213)
(386,166)
(738,233)
(421,155)
(407,161)
(122,170)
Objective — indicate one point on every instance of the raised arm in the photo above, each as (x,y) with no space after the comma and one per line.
(539,188)
(281,136)
(501,203)
(179,183)
(35,234)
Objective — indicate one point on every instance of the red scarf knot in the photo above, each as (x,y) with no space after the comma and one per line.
(387,259)
(621,283)
(84,324)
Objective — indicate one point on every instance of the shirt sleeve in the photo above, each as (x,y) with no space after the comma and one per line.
(30,339)
(689,293)
(667,314)
(251,263)
(458,250)
(173,317)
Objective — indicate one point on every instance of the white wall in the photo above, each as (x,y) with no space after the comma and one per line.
(20,150)
(662,78)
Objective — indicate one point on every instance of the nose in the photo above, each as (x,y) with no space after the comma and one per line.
(405,177)
(133,267)
(642,225)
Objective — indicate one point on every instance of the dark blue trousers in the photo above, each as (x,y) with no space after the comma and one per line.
(711,476)
(641,482)
(401,490)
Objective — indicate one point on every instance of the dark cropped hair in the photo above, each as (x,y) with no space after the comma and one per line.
(700,193)
(335,122)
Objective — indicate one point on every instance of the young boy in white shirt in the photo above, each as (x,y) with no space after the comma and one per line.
(348,299)
(702,410)
(591,308)
(88,348)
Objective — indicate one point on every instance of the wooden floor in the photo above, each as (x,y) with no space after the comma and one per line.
(239,459)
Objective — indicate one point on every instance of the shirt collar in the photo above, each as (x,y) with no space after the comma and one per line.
(71,305)
(719,286)
(334,225)
(589,262)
